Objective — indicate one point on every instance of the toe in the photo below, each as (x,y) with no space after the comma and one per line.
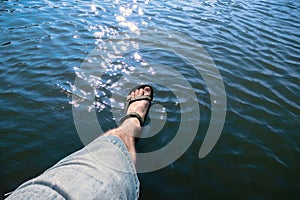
(147,91)
(136,93)
(130,96)
(141,92)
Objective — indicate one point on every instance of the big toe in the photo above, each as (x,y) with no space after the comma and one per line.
(147,91)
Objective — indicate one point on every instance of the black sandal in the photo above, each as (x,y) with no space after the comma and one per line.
(139,98)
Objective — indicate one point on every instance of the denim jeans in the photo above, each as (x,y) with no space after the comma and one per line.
(101,170)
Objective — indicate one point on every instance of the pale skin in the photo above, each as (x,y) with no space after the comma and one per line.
(131,127)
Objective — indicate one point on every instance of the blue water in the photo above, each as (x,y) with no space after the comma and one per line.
(254,44)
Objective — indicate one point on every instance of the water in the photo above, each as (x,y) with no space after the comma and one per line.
(254,44)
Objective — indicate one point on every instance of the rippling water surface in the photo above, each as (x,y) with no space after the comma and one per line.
(254,44)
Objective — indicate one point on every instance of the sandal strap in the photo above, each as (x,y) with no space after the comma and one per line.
(132,114)
(139,98)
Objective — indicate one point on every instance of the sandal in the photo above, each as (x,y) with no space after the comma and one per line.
(139,98)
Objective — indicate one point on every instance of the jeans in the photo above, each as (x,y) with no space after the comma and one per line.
(101,170)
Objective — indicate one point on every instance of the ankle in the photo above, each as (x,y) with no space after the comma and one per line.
(131,127)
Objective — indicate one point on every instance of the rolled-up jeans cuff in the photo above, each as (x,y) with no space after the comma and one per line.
(101,170)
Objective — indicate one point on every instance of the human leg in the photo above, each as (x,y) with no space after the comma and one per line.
(104,169)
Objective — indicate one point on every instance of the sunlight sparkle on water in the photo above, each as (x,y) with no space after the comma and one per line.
(125,11)
(137,56)
(94,9)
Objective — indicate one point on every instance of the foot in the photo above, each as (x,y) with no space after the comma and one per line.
(131,127)
(140,106)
